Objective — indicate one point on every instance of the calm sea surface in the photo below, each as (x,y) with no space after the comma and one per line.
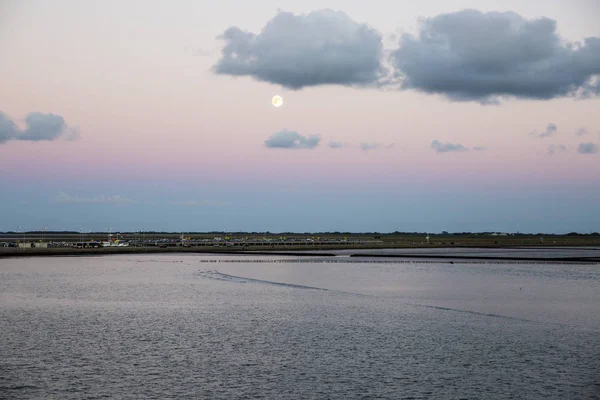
(183,326)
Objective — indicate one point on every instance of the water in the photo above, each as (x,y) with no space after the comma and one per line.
(178,326)
(530,252)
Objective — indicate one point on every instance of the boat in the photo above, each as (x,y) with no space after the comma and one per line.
(114,242)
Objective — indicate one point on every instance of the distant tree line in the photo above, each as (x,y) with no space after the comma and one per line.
(337,233)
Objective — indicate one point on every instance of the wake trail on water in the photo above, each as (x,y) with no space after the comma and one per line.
(471,312)
(216,275)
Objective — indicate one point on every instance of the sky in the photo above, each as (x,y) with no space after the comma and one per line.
(421,116)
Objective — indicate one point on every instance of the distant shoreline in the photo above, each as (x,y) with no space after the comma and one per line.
(71,252)
(322,251)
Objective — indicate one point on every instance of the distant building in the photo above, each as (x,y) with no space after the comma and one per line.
(29,245)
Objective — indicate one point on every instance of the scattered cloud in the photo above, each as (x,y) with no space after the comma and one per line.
(587,148)
(116,199)
(374,146)
(369,146)
(447,147)
(474,56)
(479,148)
(336,145)
(581,132)
(292,140)
(39,127)
(551,130)
(201,203)
(8,129)
(43,127)
(323,47)
(556,148)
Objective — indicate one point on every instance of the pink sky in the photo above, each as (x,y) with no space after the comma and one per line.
(127,77)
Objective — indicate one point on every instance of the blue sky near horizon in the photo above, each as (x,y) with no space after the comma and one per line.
(433,116)
(430,210)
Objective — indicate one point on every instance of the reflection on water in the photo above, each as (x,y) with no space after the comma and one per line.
(180,326)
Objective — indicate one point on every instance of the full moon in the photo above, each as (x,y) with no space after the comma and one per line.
(277,101)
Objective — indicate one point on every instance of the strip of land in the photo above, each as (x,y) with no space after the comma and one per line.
(554,254)
(485,246)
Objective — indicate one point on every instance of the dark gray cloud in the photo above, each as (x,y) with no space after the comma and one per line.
(556,148)
(292,140)
(336,145)
(39,126)
(550,130)
(296,51)
(470,55)
(587,148)
(581,132)
(447,147)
